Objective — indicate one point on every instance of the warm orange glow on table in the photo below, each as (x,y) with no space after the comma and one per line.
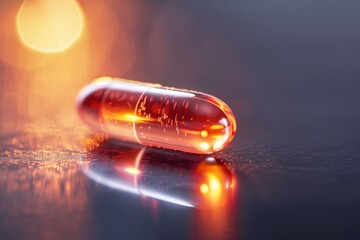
(132,170)
(49,25)
(204,188)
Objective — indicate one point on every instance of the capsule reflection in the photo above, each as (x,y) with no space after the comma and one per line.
(173,177)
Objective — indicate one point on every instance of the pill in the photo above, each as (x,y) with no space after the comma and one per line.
(157,116)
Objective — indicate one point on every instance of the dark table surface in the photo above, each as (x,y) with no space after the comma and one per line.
(290,72)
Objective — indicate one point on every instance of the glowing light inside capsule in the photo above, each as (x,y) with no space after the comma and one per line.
(204,145)
(204,133)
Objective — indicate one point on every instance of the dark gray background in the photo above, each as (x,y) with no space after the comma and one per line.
(290,72)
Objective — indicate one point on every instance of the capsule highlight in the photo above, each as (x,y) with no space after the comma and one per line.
(157,116)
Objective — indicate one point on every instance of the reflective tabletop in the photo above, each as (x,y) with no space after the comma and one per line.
(287,69)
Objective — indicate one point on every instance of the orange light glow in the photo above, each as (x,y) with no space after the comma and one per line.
(132,170)
(132,118)
(204,133)
(204,188)
(204,146)
(49,25)
(215,189)
(216,127)
(218,145)
(233,182)
(217,184)
(129,118)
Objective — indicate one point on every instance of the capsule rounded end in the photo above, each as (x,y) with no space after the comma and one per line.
(89,101)
(220,130)
(229,124)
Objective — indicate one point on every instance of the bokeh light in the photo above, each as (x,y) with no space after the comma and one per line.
(49,25)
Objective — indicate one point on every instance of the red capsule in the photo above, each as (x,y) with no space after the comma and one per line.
(158,116)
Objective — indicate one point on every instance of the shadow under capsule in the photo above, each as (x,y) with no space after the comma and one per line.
(179,178)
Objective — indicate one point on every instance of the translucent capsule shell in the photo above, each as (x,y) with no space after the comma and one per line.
(157,116)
